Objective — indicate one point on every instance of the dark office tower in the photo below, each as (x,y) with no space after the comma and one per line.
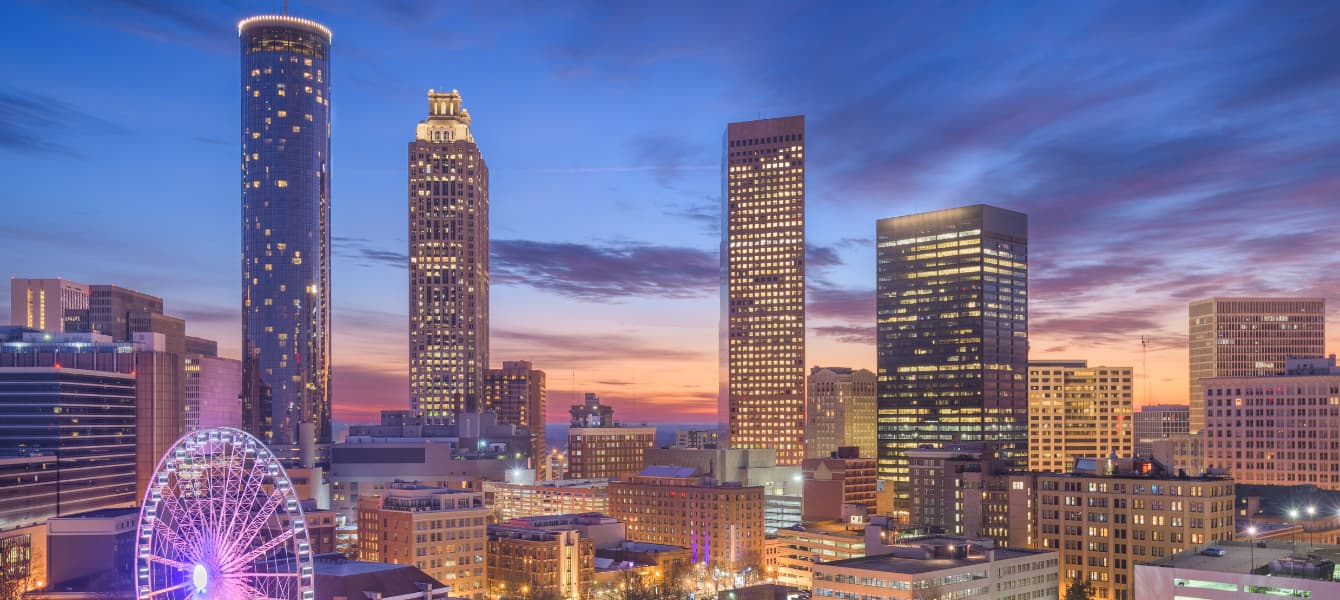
(763,296)
(516,393)
(952,335)
(448,263)
(285,226)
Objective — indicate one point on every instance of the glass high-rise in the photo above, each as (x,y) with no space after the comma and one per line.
(952,334)
(285,226)
(448,263)
(763,275)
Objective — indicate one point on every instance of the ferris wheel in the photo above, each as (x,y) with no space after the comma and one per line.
(220,521)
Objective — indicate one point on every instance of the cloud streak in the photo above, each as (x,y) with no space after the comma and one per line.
(604,272)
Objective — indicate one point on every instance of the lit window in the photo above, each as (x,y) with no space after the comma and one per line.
(281,183)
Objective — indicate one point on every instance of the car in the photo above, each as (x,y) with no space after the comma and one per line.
(1213,552)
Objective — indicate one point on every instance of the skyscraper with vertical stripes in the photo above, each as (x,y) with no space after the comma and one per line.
(448,263)
(763,280)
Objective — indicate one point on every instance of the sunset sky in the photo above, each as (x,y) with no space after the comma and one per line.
(1163,152)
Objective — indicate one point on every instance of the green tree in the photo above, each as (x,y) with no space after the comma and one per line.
(1079,590)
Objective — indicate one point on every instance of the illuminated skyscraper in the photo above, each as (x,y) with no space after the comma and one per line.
(448,263)
(1250,337)
(952,334)
(763,296)
(285,227)
(516,392)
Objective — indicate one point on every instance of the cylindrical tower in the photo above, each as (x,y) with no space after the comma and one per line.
(285,226)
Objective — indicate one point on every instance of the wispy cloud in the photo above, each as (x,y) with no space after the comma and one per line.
(35,123)
(367,254)
(604,272)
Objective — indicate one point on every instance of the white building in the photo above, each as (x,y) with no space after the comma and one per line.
(942,567)
(1244,571)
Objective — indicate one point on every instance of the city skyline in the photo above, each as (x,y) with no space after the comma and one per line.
(605,254)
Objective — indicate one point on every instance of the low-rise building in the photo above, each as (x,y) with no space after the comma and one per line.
(834,483)
(1105,518)
(1242,571)
(338,578)
(607,452)
(941,567)
(441,532)
(530,555)
(802,546)
(558,497)
(720,524)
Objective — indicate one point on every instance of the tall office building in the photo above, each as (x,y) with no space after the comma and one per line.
(763,276)
(841,411)
(1077,411)
(44,303)
(516,393)
(1250,337)
(285,227)
(448,263)
(442,532)
(1158,422)
(952,334)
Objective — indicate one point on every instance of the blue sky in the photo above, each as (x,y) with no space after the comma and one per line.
(1163,151)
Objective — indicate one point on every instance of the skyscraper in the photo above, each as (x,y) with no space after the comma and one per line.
(763,296)
(1250,337)
(285,227)
(448,263)
(952,334)
(1077,411)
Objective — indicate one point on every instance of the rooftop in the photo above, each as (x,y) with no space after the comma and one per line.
(911,559)
(102,513)
(832,527)
(1239,556)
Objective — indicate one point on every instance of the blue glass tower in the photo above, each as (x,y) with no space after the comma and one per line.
(285,227)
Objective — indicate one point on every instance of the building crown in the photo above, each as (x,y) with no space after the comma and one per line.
(447,120)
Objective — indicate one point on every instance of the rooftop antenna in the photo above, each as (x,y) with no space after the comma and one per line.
(286,8)
(1144,350)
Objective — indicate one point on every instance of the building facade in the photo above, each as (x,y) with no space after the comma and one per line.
(285,227)
(526,558)
(801,547)
(721,524)
(448,263)
(699,439)
(516,392)
(942,567)
(833,485)
(441,532)
(1158,422)
(607,452)
(952,334)
(1277,430)
(556,497)
(81,419)
(213,392)
(1077,411)
(1249,337)
(1244,571)
(840,412)
(763,300)
(44,303)
(1102,525)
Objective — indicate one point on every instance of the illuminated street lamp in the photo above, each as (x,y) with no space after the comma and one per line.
(1251,533)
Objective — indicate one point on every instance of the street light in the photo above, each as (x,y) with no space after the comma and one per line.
(1311,512)
(1251,532)
(1293,517)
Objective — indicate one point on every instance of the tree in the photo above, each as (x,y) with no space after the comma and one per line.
(1079,590)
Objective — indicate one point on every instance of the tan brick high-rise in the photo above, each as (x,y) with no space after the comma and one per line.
(448,263)
(763,306)
(1077,411)
(1250,337)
